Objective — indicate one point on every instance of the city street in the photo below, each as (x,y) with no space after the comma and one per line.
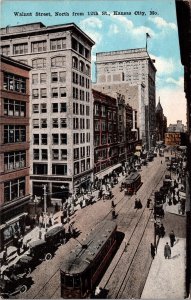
(128,271)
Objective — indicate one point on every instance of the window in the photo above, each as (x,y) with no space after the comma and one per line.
(82,165)
(87,110)
(87,97)
(43,123)
(74,44)
(14,108)
(39,63)
(63,154)
(54,107)
(14,133)
(62,76)
(81,66)
(62,92)
(54,92)
(81,95)
(76,138)
(76,168)
(88,137)
(38,46)
(76,153)
(59,169)
(14,83)
(88,151)
(34,78)
(88,164)
(43,93)
(74,62)
(35,123)
(44,154)
(82,152)
(75,108)
(5,50)
(40,169)
(55,154)
(82,124)
(63,138)
(63,123)
(74,77)
(14,189)
(20,48)
(35,94)
(55,123)
(44,139)
(42,77)
(54,76)
(36,139)
(87,53)
(87,83)
(36,154)
(58,61)
(58,44)
(14,160)
(87,123)
(35,108)
(63,107)
(97,125)
(81,49)
(55,139)
(81,109)
(88,70)
(43,108)
(75,93)
(75,123)
(81,80)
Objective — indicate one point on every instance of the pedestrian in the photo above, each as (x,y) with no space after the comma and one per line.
(139,204)
(112,204)
(113,213)
(40,221)
(152,251)
(81,203)
(100,194)
(50,221)
(40,234)
(162,231)
(136,206)
(167,251)
(172,238)
(148,203)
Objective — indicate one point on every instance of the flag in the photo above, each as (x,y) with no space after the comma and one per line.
(148,35)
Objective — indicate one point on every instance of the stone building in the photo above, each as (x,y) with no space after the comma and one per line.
(14,147)
(129,67)
(178,127)
(61,104)
(161,123)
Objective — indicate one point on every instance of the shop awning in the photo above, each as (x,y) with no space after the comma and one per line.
(11,221)
(101,175)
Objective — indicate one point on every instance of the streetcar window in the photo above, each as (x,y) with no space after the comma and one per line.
(76,282)
(69,281)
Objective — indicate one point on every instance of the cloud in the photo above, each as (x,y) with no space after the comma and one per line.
(164,66)
(179,82)
(162,23)
(113,29)
(135,31)
(174,103)
(92,22)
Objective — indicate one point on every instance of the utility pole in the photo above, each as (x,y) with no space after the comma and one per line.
(45,206)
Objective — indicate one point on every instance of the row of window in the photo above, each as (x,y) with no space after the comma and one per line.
(55,77)
(77,137)
(55,93)
(81,80)
(14,189)
(81,109)
(79,123)
(14,108)
(81,137)
(81,95)
(15,83)
(14,133)
(81,152)
(104,139)
(81,166)
(14,160)
(103,125)
(101,110)
(77,46)
(56,123)
(80,66)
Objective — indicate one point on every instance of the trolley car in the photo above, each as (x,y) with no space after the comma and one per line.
(132,183)
(83,267)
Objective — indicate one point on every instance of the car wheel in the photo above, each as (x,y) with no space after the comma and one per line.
(23,289)
(48,256)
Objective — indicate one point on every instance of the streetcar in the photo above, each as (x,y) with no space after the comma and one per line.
(83,267)
(132,183)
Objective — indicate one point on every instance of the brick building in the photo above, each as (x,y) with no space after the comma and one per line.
(61,104)
(14,146)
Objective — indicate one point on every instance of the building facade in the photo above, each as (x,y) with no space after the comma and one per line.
(115,133)
(178,127)
(61,104)
(131,67)
(161,123)
(14,147)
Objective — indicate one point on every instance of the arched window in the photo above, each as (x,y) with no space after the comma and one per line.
(74,62)
(81,66)
(58,61)
(87,69)
(39,63)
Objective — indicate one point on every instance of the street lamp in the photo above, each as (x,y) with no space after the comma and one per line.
(45,205)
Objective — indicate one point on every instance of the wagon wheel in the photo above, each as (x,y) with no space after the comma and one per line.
(23,289)
(48,256)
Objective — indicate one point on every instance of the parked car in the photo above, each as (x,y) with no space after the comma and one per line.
(15,284)
(41,250)
(20,268)
(55,235)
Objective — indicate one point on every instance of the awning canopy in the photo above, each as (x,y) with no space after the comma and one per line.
(11,221)
(107,171)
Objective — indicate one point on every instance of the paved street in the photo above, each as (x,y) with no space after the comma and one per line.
(128,272)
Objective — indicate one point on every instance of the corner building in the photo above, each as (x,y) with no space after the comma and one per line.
(61,104)
(14,148)
(129,67)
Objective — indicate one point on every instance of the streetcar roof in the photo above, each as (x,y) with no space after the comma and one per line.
(78,260)
(131,177)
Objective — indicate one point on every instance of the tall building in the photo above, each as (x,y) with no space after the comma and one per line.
(178,127)
(161,123)
(131,67)
(61,104)
(14,147)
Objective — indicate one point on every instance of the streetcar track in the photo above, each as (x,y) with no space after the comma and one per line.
(106,215)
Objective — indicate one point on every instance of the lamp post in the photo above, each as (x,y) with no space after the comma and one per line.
(45,205)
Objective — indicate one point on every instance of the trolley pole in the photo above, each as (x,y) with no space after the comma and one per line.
(45,205)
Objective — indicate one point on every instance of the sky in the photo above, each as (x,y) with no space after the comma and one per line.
(119,32)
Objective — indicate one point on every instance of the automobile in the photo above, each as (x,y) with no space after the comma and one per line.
(15,284)
(40,250)
(21,267)
(55,235)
